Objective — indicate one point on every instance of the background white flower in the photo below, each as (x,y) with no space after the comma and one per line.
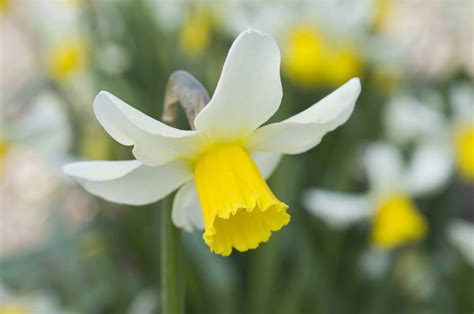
(392,183)
(411,120)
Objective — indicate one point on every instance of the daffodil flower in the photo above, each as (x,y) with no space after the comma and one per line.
(220,167)
(389,201)
(195,34)
(311,58)
(191,25)
(66,58)
(40,127)
(409,119)
(315,50)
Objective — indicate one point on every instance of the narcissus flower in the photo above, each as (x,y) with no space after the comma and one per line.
(310,58)
(409,119)
(195,34)
(395,218)
(312,35)
(40,127)
(222,165)
(66,58)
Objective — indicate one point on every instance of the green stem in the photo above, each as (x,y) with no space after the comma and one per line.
(172,292)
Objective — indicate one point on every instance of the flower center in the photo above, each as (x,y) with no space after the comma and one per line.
(239,209)
(66,58)
(309,58)
(303,55)
(195,34)
(397,221)
(465,152)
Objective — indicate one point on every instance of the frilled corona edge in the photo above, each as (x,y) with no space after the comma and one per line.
(245,228)
(240,211)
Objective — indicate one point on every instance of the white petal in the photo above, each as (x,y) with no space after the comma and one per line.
(430,168)
(407,119)
(266,163)
(461,235)
(306,129)
(384,166)
(129,182)
(249,90)
(155,142)
(187,210)
(339,210)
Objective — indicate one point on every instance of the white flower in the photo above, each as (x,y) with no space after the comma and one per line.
(40,126)
(392,185)
(316,48)
(238,209)
(461,235)
(409,119)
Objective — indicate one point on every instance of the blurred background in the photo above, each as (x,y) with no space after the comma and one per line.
(65,251)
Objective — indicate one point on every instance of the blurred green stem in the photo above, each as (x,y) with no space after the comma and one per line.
(172,292)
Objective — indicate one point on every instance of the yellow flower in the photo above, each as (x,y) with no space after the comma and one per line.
(66,58)
(396,222)
(195,34)
(465,151)
(221,166)
(311,59)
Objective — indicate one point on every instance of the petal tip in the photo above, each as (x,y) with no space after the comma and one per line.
(67,169)
(355,82)
(100,95)
(253,31)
